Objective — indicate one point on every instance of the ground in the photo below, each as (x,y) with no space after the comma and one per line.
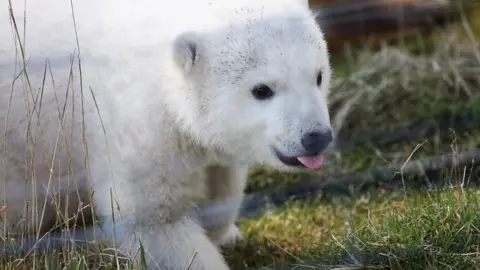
(378,228)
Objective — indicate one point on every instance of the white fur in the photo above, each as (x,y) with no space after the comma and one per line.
(173,122)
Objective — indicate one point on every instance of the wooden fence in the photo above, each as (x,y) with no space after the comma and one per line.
(357,20)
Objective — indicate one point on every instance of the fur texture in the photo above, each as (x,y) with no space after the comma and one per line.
(162,117)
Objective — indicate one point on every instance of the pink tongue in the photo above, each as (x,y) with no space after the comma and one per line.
(312,162)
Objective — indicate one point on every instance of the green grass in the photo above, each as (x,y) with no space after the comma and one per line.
(378,230)
(422,230)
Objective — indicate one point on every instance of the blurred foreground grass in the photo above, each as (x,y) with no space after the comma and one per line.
(439,229)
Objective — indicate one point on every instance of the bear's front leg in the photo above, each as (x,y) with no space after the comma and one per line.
(173,245)
(156,211)
(225,189)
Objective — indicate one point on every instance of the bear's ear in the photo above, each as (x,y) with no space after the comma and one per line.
(185,50)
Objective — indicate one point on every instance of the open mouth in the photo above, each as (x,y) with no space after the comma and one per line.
(312,161)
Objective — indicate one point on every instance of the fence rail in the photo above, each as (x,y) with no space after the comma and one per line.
(357,20)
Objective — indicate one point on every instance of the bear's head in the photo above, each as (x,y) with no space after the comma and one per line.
(260,81)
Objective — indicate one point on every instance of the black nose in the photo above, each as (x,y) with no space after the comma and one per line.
(316,142)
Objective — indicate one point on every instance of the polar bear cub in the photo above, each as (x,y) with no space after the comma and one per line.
(151,108)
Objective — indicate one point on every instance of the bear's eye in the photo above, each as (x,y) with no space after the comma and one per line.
(262,92)
(319,79)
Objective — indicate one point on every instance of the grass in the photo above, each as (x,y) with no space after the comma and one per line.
(433,229)
(424,230)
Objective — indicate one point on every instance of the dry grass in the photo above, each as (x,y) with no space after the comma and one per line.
(433,230)
(392,85)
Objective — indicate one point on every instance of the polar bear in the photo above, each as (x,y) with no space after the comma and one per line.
(147,109)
